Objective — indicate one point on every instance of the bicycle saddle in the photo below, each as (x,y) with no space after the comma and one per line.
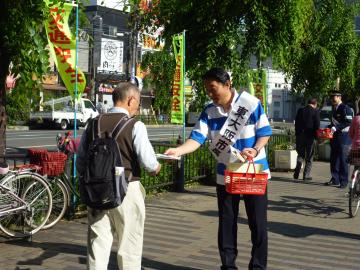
(4,168)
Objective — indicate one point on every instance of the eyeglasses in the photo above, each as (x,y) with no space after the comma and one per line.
(138,100)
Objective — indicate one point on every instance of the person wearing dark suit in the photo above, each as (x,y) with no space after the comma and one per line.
(340,143)
(307,121)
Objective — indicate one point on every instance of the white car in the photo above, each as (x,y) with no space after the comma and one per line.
(325,116)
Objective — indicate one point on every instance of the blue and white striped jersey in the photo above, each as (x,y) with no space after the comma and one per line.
(213,118)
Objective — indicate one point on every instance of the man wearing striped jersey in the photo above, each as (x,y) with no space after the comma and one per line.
(249,137)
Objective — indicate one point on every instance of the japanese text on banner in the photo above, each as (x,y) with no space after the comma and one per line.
(63,47)
(177,103)
(257,86)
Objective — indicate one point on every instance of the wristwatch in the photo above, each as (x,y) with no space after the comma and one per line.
(257,149)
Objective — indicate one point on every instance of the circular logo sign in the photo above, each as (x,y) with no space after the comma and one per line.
(110,50)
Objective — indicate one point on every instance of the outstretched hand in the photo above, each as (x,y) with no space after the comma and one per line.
(172,152)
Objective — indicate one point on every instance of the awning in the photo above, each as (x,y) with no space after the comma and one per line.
(54,87)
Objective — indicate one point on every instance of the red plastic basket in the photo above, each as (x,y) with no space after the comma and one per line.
(51,163)
(245,182)
(37,154)
(324,133)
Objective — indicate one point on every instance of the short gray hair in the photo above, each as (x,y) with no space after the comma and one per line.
(123,90)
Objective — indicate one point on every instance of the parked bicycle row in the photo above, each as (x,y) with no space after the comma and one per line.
(37,195)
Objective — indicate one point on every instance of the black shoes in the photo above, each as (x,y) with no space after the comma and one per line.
(343,186)
(331,183)
(296,174)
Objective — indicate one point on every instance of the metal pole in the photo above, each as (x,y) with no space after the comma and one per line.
(134,48)
(73,202)
(181,184)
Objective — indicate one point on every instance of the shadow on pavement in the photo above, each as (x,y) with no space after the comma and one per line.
(299,231)
(304,206)
(202,193)
(162,266)
(50,250)
(210,213)
(298,181)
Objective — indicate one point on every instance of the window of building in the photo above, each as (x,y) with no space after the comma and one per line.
(276,114)
(276,103)
(110,30)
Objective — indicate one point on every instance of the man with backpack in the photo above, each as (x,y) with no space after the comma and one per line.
(111,151)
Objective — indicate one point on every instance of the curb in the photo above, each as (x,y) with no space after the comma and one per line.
(17,127)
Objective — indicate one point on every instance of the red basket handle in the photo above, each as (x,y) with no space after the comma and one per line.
(251,162)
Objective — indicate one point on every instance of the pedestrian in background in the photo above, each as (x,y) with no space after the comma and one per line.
(125,222)
(252,134)
(340,143)
(104,107)
(307,121)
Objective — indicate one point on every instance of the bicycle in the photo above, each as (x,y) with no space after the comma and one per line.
(354,189)
(25,201)
(61,185)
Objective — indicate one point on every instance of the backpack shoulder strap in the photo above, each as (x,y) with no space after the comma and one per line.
(116,132)
(96,128)
(120,126)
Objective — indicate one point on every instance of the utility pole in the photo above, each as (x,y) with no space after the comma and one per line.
(97,23)
(134,42)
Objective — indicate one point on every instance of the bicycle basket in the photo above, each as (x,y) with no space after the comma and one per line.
(36,155)
(54,163)
(252,183)
(51,163)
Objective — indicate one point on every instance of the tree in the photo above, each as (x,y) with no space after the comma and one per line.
(326,52)
(22,42)
(161,67)
(226,33)
(311,40)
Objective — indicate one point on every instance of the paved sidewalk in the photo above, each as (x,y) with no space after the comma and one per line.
(309,228)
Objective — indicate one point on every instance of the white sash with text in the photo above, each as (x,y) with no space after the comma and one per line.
(239,115)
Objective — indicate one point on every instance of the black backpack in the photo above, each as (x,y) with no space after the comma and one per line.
(102,185)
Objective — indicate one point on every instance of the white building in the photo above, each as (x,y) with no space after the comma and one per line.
(280,99)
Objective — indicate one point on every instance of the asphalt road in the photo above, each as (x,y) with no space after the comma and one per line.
(19,140)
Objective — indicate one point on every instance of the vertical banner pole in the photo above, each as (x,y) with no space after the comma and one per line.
(76,99)
(182,165)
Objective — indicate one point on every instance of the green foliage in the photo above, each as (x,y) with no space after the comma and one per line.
(23,40)
(17,105)
(311,40)
(161,67)
(327,50)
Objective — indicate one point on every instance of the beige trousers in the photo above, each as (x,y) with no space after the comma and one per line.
(126,223)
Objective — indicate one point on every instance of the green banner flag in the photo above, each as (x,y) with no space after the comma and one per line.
(177,105)
(257,85)
(63,47)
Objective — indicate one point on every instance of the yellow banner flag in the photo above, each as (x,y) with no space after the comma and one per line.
(177,105)
(63,47)
(257,85)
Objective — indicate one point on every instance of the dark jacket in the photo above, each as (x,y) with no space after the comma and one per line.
(307,121)
(341,117)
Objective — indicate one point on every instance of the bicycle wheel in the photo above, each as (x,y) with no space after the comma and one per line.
(34,190)
(354,194)
(60,202)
